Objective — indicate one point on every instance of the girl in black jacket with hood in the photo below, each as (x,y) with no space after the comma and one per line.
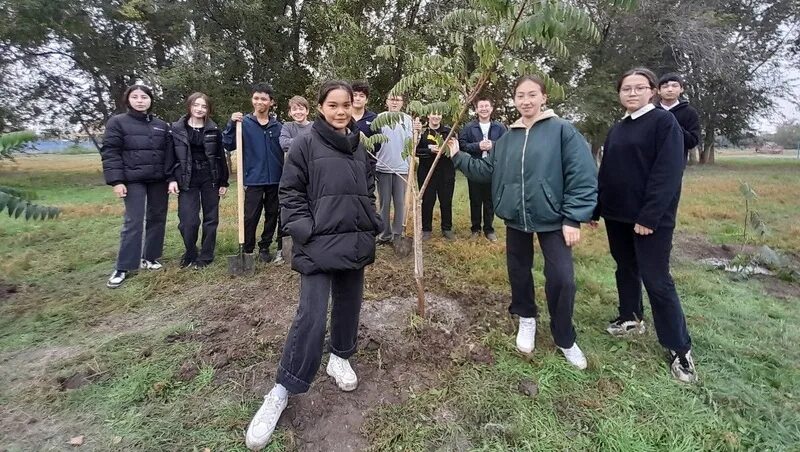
(135,162)
(201,178)
(327,199)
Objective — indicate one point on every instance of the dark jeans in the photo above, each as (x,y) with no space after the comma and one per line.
(645,259)
(559,285)
(302,352)
(442,185)
(203,194)
(145,216)
(480,206)
(256,199)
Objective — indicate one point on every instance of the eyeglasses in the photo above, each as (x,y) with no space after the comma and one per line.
(634,89)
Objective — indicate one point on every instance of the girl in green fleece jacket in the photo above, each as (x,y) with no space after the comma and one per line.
(544,181)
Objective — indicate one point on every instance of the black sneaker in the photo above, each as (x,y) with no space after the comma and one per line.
(264,256)
(199,265)
(116,279)
(186,263)
(682,367)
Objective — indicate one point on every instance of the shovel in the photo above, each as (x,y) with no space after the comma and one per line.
(243,262)
(404,242)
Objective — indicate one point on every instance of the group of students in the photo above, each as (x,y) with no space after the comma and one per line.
(542,180)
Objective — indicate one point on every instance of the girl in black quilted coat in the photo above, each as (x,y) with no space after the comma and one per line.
(135,163)
(327,199)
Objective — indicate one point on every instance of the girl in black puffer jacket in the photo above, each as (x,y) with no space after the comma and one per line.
(135,162)
(327,198)
(201,174)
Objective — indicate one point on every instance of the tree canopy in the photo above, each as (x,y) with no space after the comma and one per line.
(69,61)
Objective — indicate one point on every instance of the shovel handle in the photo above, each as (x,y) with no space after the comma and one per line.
(240,180)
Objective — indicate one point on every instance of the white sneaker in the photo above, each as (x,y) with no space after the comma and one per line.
(150,265)
(116,279)
(341,371)
(263,424)
(278,258)
(575,356)
(526,336)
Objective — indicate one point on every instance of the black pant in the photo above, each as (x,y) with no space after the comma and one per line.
(442,185)
(302,352)
(559,286)
(204,193)
(256,199)
(145,214)
(480,206)
(645,259)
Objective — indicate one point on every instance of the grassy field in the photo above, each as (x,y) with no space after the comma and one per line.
(178,360)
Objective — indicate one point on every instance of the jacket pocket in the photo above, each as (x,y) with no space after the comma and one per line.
(548,207)
(508,202)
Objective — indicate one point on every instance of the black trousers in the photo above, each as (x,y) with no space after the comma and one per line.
(256,199)
(645,259)
(302,353)
(201,194)
(559,286)
(145,216)
(480,206)
(442,186)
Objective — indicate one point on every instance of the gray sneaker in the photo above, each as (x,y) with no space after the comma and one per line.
(491,236)
(449,235)
(426,235)
(621,328)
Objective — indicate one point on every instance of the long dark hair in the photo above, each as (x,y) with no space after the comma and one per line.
(193,97)
(331,85)
(144,88)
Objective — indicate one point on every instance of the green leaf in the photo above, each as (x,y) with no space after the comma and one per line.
(370,142)
(4,197)
(387,119)
(13,142)
(747,191)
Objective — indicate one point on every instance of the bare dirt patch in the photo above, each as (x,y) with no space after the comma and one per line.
(695,247)
(7,291)
(242,336)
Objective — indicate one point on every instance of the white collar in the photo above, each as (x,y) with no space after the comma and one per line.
(669,107)
(640,112)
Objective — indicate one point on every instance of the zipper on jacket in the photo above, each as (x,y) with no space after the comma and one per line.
(522,174)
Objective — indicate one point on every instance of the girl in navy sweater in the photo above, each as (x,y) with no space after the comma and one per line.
(639,185)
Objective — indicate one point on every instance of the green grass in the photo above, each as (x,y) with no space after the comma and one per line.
(745,341)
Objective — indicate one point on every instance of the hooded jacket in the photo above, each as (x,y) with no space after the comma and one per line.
(135,149)
(263,156)
(542,177)
(327,199)
(212,144)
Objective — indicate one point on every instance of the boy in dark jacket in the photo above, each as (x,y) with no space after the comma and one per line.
(361,115)
(670,88)
(477,138)
(263,166)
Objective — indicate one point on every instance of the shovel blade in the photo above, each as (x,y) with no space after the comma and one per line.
(403,245)
(242,263)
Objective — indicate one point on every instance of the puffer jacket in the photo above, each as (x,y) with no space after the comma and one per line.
(136,149)
(212,143)
(327,199)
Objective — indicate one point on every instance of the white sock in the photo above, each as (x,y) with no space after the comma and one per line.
(280,391)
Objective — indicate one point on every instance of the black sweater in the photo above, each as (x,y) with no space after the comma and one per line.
(426,157)
(690,125)
(640,175)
